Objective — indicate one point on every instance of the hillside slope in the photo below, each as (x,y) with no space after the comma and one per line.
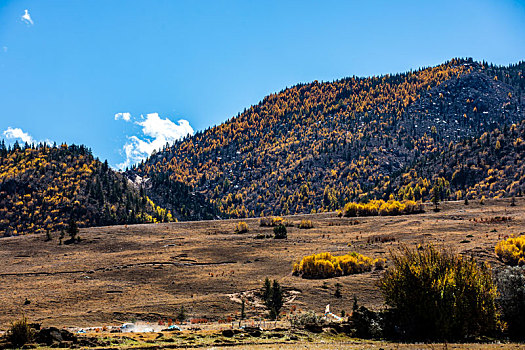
(42,188)
(315,146)
(491,166)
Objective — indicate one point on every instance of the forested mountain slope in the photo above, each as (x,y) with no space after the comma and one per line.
(313,147)
(42,188)
(491,166)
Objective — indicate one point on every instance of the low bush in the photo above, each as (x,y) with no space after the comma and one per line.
(380,207)
(365,323)
(309,318)
(306,224)
(380,239)
(512,251)
(280,232)
(326,265)
(272,221)
(20,333)
(241,227)
(435,295)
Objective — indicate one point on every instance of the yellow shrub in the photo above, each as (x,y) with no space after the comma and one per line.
(306,224)
(380,207)
(273,221)
(512,251)
(242,227)
(326,265)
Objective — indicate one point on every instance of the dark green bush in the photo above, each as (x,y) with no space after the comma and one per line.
(280,232)
(435,295)
(20,333)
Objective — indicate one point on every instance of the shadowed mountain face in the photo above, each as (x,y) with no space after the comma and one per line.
(315,146)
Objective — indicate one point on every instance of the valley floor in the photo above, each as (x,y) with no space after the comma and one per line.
(147,272)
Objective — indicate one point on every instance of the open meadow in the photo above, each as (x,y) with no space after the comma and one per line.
(147,272)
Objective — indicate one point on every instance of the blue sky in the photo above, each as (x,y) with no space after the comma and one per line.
(68,68)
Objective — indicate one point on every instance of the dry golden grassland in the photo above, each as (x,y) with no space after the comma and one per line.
(147,272)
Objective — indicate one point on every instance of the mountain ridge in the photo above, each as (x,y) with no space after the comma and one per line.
(313,147)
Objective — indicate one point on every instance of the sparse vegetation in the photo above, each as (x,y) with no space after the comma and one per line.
(273,221)
(306,224)
(326,265)
(437,295)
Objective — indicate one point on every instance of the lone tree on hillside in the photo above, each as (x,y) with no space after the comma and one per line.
(435,197)
(181,315)
(72,230)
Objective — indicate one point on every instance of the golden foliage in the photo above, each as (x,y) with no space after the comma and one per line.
(380,207)
(42,187)
(437,294)
(512,251)
(326,265)
(284,139)
(242,227)
(306,224)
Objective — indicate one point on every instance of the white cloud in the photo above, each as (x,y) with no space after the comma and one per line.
(157,132)
(4,48)
(26,18)
(124,116)
(17,133)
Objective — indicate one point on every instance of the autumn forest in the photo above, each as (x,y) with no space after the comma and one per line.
(457,128)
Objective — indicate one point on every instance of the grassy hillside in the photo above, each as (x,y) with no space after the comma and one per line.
(42,188)
(313,147)
(147,272)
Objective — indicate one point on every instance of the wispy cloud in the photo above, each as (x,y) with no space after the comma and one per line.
(17,134)
(26,18)
(124,116)
(156,132)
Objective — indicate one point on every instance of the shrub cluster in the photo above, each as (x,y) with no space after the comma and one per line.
(306,224)
(380,207)
(280,232)
(242,227)
(512,251)
(271,221)
(437,295)
(307,318)
(20,333)
(326,265)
